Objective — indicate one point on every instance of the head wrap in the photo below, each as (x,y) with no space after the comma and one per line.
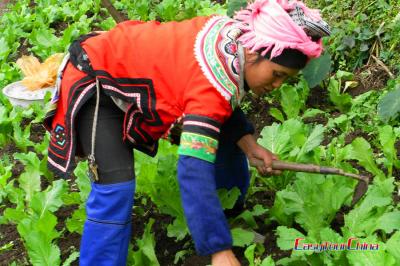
(273,26)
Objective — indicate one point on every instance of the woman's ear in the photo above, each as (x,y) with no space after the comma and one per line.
(250,57)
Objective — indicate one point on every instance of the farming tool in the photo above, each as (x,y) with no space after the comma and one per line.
(361,187)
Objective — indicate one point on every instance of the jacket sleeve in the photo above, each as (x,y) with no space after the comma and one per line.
(205,112)
(203,211)
(236,126)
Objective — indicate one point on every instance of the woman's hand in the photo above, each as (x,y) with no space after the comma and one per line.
(261,154)
(255,152)
(224,258)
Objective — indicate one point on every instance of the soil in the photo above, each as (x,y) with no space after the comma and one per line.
(258,113)
(3,6)
(369,77)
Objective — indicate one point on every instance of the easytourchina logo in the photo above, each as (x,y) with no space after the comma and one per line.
(352,244)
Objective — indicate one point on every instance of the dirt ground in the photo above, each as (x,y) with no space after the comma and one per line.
(3,6)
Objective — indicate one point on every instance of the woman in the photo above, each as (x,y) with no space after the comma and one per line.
(127,87)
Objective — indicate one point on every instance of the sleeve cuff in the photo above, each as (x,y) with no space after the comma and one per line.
(199,138)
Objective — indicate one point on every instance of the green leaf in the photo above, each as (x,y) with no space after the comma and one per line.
(277,114)
(259,210)
(317,69)
(309,113)
(362,220)
(228,198)
(275,139)
(314,140)
(15,194)
(241,237)
(268,261)
(247,216)
(178,229)
(389,222)
(312,200)
(387,139)
(393,246)
(82,180)
(30,183)
(342,101)
(328,234)
(50,199)
(235,5)
(287,237)
(249,254)
(290,101)
(44,37)
(344,75)
(29,180)
(180,255)
(72,198)
(362,152)
(71,258)
(15,215)
(40,249)
(146,254)
(76,221)
(371,257)
(389,106)
(4,49)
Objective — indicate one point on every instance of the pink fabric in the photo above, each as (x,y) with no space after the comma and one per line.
(267,25)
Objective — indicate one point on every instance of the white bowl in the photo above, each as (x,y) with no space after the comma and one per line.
(19,95)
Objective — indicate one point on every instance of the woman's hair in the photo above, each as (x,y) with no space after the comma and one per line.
(287,33)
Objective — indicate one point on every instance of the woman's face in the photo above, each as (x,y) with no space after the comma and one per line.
(262,75)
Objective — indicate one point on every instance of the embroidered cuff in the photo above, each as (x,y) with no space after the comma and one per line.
(199,137)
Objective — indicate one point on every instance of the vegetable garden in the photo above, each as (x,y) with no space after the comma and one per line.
(343,111)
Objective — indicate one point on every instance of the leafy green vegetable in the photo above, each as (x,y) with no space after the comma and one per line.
(313,200)
(341,100)
(49,199)
(146,255)
(38,235)
(393,246)
(317,69)
(367,257)
(389,106)
(290,101)
(242,237)
(362,152)
(228,198)
(370,213)
(235,5)
(387,139)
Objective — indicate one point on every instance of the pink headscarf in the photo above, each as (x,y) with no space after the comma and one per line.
(267,25)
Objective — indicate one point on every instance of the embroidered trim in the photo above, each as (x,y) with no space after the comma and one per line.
(201,125)
(198,146)
(216,52)
(200,137)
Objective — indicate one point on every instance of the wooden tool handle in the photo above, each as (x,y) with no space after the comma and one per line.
(308,168)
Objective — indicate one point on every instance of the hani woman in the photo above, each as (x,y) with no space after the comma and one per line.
(126,88)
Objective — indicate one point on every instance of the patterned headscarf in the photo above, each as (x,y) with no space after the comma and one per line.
(273,26)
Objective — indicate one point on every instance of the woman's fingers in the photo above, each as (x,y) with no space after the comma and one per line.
(267,171)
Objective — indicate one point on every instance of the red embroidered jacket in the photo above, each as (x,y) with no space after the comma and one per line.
(164,71)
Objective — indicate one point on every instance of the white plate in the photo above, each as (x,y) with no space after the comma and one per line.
(19,95)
